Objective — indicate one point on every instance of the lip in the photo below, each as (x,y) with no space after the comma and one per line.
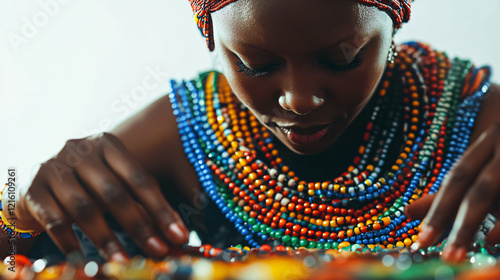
(305,135)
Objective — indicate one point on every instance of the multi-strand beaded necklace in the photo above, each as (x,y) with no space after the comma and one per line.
(431,101)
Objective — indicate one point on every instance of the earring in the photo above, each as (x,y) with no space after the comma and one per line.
(392,53)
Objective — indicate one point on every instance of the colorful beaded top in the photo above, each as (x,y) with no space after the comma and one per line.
(430,101)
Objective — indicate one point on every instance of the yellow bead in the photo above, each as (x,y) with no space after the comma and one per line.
(414,238)
(252,176)
(344,244)
(390,246)
(407,242)
(400,244)
(300,188)
(270,193)
(246,170)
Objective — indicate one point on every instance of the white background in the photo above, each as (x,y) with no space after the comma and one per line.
(71,68)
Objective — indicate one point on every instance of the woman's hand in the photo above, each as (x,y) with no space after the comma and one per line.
(88,177)
(468,193)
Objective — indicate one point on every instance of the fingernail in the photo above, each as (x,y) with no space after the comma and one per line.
(155,243)
(448,252)
(179,231)
(459,254)
(426,235)
(415,246)
(120,257)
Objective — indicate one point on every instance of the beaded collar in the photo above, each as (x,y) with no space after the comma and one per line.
(431,100)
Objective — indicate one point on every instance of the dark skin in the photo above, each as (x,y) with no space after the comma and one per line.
(308,82)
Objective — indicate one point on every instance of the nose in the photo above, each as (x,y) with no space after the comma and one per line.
(301,94)
(300,106)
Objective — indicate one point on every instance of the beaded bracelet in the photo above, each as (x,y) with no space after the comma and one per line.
(9,228)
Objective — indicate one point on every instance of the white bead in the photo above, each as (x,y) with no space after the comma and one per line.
(273,172)
(284,201)
(278,197)
(281,178)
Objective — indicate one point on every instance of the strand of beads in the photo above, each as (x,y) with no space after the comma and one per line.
(362,207)
(288,224)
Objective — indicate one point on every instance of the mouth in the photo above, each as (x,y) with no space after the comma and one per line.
(307,135)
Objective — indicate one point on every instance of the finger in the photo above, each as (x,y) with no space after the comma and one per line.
(493,237)
(48,213)
(473,209)
(147,191)
(452,190)
(103,183)
(86,213)
(419,208)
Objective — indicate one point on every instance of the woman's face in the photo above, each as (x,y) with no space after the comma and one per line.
(304,68)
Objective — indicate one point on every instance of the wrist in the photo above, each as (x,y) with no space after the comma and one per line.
(11,222)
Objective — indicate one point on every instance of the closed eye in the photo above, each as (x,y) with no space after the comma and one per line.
(263,71)
(336,68)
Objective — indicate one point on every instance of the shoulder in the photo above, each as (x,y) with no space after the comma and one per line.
(489,114)
(152,138)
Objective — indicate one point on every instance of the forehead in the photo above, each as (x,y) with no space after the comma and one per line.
(289,24)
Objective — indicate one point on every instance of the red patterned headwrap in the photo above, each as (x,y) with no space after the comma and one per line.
(398,10)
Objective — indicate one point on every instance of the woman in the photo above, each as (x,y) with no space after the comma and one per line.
(320,78)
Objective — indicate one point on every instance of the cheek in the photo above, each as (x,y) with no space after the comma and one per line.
(256,94)
(355,88)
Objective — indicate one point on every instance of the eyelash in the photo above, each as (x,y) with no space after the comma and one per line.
(255,72)
(355,63)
